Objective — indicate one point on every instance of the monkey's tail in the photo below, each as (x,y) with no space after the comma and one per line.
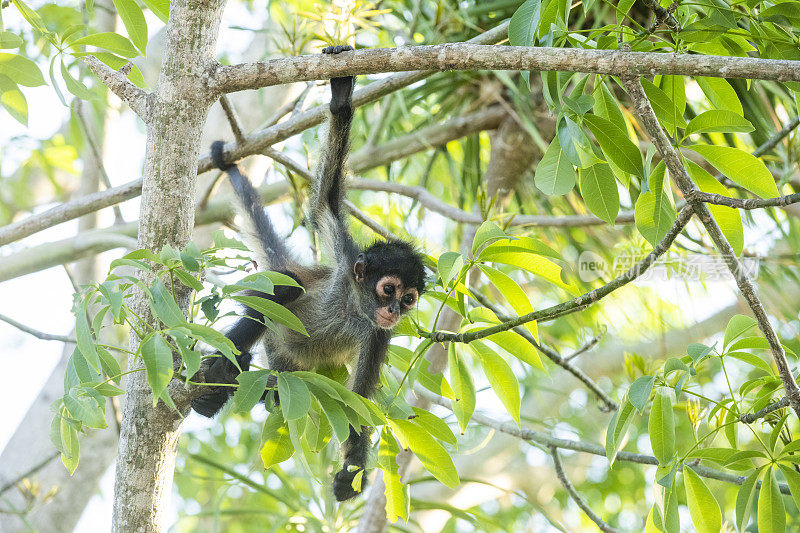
(266,243)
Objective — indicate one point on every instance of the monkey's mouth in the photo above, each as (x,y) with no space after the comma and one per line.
(385,319)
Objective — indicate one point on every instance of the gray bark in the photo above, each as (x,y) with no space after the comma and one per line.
(176,112)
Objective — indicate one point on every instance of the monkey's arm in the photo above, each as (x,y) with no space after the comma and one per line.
(356,448)
(326,204)
(244,334)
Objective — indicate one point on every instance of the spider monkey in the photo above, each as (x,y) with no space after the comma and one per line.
(348,309)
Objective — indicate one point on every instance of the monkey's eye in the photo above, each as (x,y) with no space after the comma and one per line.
(388,289)
(408,299)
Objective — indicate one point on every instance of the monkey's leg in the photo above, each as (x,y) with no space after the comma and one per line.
(356,447)
(244,334)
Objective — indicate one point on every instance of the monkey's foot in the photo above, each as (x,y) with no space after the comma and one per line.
(343,482)
(339,48)
(218,370)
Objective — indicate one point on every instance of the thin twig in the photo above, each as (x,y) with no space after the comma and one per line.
(752,417)
(746,203)
(586,347)
(581,301)
(684,182)
(233,118)
(31,471)
(608,403)
(548,440)
(35,332)
(562,477)
(94,147)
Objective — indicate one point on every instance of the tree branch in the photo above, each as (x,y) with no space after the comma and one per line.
(747,203)
(677,171)
(752,417)
(562,477)
(35,332)
(466,56)
(117,82)
(233,118)
(255,143)
(69,210)
(608,403)
(426,138)
(581,301)
(549,441)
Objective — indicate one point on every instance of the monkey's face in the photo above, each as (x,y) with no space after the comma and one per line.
(393,300)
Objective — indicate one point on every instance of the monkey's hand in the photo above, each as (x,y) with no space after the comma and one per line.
(343,481)
(341,88)
(218,370)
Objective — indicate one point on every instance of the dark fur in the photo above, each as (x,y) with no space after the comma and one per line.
(339,305)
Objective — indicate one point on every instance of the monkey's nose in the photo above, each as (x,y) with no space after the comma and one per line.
(393,307)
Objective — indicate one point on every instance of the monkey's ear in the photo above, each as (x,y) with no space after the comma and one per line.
(360,267)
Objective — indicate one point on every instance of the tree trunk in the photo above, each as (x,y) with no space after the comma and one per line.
(176,112)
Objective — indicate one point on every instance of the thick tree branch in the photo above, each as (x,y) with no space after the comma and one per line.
(581,301)
(69,210)
(466,56)
(677,171)
(562,477)
(255,143)
(117,82)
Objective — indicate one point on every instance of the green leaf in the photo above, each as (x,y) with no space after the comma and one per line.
(9,40)
(516,345)
(157,357)
(434,425)
(575,144)
(74,85)
(720,94)
(533,263)
(12,99)
(728,218)
(333,412)
(555,175)
(86,342)
(639,392)
(524,22)
(737,326)
(188,280)
(500,377)
(654,213)
(793,480)
(703,507)
(449,265)
(211,337)
(398,502)
(741,167)
(616,144)
(273,311)
(513,294)
(430,453)
(744,499)
(85,409)
(278,445)
(160,8)
(718,120)
(70,442)
(662,427)
(165,306)
(771,511)
(108,390)
(113,42)
(133,18)
(251,387)
(606,106)
(486,233)
(21,70)
(616,430)
(295,398)
(463,388)
(599,191)
(665,109)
